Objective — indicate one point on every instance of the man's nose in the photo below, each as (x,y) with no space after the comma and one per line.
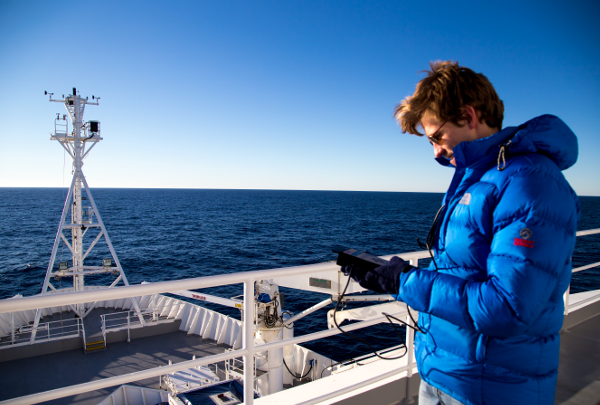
(438,151)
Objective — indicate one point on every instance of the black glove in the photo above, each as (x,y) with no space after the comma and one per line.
(383,279)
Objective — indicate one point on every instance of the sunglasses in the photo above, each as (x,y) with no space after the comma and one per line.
(435,137)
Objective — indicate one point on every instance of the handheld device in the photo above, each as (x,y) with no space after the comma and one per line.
(364,260)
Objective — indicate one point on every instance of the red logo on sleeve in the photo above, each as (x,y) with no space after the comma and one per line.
(523,242)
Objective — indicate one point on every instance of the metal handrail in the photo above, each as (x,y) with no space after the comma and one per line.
(567,293)
(83,334)
(588,232)
(68,328)
(126,318)
(78,297)
(248,348)
(587,266)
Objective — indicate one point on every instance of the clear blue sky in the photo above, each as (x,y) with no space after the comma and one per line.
(279,94)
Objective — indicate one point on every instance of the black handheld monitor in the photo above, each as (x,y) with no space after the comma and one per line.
(364,260)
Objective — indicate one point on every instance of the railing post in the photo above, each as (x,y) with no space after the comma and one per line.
(12,326)
(81,327)
(248,342)
(566,299)
(128,327)
(410,352)
(103,327)
(410,346)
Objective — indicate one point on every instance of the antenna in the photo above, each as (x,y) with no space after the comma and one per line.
(85,228)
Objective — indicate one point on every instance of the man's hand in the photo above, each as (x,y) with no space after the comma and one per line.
(383,279)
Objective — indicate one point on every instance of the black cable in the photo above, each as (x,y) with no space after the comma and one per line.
(429,245)
(294,375)
(271,320)
(431,235)
(418,329)
(335,364)
(415,328)
(357,338)
(290,326)
(398,333)
(330,366)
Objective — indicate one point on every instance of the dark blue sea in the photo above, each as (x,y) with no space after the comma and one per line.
(169,234)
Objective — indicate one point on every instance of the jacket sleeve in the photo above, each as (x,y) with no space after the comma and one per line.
(534,225)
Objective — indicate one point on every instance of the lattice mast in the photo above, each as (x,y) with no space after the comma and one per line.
(78,143)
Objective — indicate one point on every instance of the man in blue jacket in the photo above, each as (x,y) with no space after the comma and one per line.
(491,302)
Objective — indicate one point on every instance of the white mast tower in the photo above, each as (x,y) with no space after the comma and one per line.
(78,144)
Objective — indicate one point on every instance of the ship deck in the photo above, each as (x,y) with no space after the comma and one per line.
(578,382)
(50,371)
(579,367)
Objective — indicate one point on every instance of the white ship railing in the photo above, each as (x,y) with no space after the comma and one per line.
(47,332)
(127,320)
(578,269)
(83,336)
(234,368)
(248,347)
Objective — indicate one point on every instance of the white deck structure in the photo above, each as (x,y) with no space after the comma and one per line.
(387,378)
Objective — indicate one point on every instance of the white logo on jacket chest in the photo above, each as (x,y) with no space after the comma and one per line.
(466,199)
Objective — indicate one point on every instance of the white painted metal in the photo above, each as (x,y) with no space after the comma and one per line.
(227,331)
(248,341)
(587,266)
(129,395)
(49,331)
(588,232)
(380,297)
(365,313)
(308,311)
(269,328)
(155,372)
(228,302)
(288,351)
(192,378)
(248,350)
(567,294)
(90,295)
(273,363)
(119,380)
(75,144)
(410,351)
(583,299)
(344,385)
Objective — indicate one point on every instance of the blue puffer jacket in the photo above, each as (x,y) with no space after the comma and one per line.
(494,307)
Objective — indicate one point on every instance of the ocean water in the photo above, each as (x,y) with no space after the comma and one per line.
(168,234)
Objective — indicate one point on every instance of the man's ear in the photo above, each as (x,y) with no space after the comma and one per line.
(470,116)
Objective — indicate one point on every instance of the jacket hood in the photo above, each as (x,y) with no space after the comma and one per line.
(546,134)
